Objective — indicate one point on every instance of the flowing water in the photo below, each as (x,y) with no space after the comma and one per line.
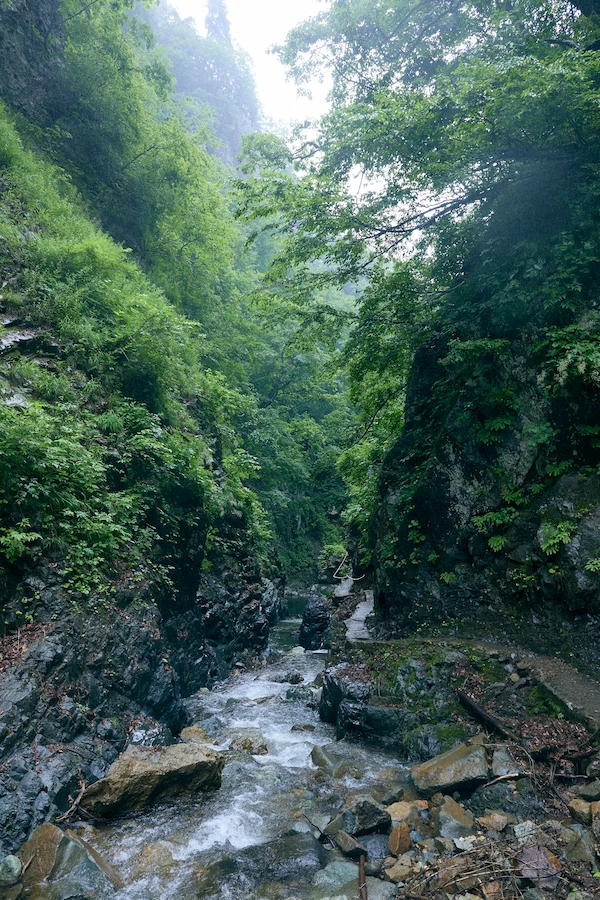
(253,838)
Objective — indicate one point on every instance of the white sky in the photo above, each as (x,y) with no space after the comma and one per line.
(255,26)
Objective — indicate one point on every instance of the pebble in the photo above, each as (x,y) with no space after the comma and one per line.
(10,871)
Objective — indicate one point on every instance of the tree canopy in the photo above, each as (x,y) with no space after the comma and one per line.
(454,182)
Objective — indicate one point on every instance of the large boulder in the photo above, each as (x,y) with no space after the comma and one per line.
(348,685)
(144,775)
(463,766)
(314,630)
(413,715)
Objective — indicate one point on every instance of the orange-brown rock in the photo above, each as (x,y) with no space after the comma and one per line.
(407,811)
(463,765)
(581,811)
(65,859)
(400,840)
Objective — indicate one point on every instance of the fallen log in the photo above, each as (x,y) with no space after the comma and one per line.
(487,718)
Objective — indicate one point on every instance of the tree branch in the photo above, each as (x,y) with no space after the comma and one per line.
(82,10)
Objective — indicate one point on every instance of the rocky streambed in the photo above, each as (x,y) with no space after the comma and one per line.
(460,813)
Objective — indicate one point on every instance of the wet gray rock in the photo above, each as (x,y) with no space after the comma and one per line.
(415,722)
(332,761)
(349,846)
(503,763)
(62,866)
(86,682)
(291,856)
(336,876)
(314,629)
(151,734)
(343,589)
(10,871)
(348,685)
(365,816)
(249,740)
(376,845)
(380,890)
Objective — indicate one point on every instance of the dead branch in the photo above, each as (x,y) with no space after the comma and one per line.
(487,718)
(361,878)
(74,805)
(510,776)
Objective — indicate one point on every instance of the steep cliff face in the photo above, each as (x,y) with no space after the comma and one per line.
(489,519)
(32,75)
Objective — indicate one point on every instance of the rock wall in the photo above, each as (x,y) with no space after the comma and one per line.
(77,685)
(489,512)
(32,75)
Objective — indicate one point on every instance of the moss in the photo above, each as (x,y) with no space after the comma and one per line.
(450,735)
(489,668)
(541,703)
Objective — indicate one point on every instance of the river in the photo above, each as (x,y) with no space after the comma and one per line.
(254,838)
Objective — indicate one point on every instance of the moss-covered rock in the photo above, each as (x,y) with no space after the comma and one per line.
(489,516)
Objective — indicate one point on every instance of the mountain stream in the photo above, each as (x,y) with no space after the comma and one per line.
(257,837)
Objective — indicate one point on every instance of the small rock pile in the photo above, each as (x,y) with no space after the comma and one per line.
(470,827)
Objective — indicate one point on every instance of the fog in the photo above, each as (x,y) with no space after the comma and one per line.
(255,26)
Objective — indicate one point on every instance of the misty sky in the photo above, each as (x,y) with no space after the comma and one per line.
(255,26)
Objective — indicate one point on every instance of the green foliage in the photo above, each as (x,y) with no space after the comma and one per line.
(109,461)
(15,541)
(572,356)
(447,577)
(504,516)
(497,542)
(559,468)
(555,535)
(453,188)
(213,80)
(237,381)
(540,703)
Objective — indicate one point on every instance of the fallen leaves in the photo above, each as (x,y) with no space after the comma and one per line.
(540,866)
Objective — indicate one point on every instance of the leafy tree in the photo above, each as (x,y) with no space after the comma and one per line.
(458,172)
(229,385)
(217,22)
